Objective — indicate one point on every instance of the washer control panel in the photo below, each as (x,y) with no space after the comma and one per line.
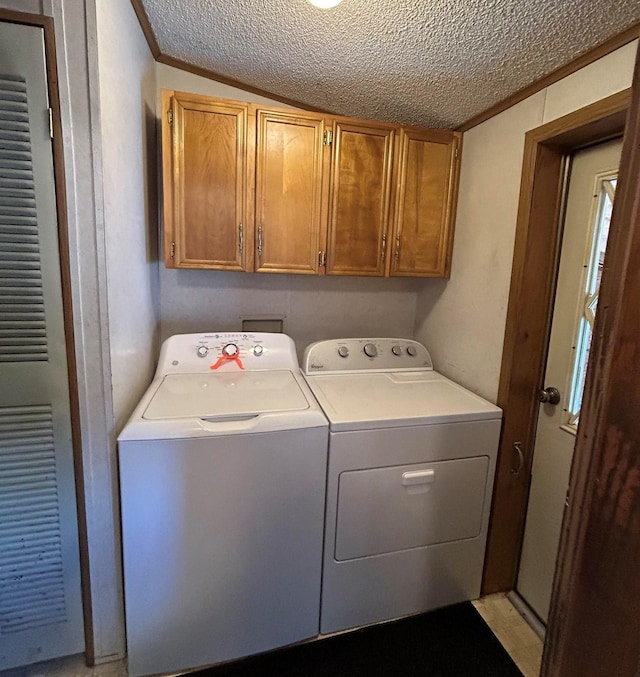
(226,351)
(371,354)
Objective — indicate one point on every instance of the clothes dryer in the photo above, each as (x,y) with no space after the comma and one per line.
(411,465)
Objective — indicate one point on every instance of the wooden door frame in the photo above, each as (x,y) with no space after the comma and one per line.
(595,609)
(547,155)
(47,24)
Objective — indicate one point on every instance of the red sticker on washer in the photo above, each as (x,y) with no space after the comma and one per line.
(224,358)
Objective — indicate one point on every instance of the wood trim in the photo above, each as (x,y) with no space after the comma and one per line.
(145,24)
(211,75)
(65,271)
(595,613)
(150,37)
(584,59)
(15,17)
(47,24)
(526,334)
(596,122)
(547,151)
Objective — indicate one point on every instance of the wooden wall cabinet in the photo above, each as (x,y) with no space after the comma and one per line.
(426,191)
(206,169)
(360,190)
(323,187)
(290,223)
(288,191)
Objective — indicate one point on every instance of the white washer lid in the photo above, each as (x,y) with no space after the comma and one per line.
(225,394)
(394,399)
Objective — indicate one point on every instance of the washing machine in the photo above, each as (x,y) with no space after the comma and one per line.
(411,466)
(222,482)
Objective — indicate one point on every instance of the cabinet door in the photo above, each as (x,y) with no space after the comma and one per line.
(359,198)
(209,184)
(289,186)
(426,179)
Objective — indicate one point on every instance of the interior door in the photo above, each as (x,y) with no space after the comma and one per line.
(589,202)
(40,598)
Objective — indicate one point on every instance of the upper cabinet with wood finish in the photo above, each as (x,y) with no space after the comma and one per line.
(272,190)
(206,183)
(360,190)
(289,192)
(426,189)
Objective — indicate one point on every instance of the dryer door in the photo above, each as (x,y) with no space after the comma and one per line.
(384,510)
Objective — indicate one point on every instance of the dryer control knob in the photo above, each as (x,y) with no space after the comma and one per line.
(411,351)
(396,350)
(202,351)
(370,350)
(230,350)
(343,351)
(258,350)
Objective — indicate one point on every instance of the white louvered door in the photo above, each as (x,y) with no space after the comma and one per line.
(40,598)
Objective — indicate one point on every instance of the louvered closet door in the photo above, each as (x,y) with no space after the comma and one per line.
(40,604)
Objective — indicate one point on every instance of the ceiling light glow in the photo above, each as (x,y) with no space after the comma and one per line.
(325,4)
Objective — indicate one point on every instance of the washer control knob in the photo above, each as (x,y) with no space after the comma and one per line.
(396,350)
(343,351)
(202,351)
(230,350)
(258,350)
(411,351)
(370,350)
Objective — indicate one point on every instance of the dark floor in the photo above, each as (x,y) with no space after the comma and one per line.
(449,642)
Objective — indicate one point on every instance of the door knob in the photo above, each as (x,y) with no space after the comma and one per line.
(549,395)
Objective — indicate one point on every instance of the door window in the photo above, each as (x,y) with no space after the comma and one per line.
(594,261)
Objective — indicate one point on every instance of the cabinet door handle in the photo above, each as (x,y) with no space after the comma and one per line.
(241,238)
(397,252)
(260,240)
(383,254)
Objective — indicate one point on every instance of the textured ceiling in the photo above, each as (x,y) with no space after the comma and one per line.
(434,63)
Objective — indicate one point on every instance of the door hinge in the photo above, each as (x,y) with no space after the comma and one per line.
(170,116)
(328,137)
(322,258)
(50,110)
(173,250)
(456,153)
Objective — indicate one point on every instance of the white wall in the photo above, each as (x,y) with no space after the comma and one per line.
(123,91)
(463,321)
(127,77)
(313,308)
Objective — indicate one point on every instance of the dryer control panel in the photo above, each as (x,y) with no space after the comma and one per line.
(225,352)
(365,354)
